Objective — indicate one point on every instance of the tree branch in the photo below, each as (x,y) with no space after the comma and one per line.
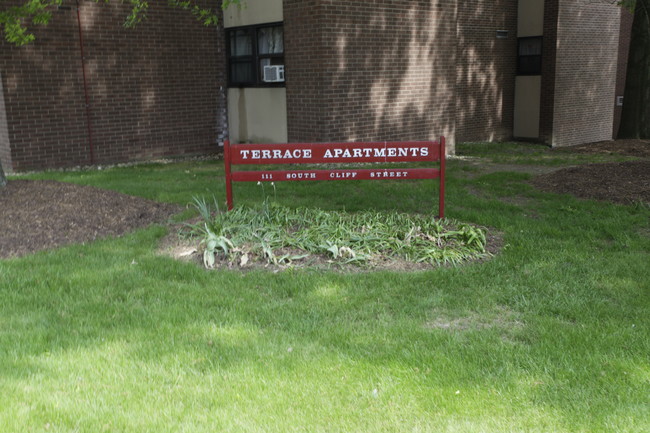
(15,21)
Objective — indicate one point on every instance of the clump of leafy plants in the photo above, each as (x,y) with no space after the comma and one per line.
(280,235)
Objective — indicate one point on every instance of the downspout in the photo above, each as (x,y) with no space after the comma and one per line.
(86,94)
(222,121)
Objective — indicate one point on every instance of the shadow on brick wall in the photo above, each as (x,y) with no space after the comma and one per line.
(415,70)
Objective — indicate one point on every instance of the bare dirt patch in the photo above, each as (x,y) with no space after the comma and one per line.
(40,215)
(501,318)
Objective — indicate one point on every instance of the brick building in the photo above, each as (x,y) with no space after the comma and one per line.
(89,91)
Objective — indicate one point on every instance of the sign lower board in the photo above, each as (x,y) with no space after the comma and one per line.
(353,174)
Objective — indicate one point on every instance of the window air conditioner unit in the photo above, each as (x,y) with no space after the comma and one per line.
(274,74)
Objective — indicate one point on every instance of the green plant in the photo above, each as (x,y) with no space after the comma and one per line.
(214,244)
(211,230)
(208,215)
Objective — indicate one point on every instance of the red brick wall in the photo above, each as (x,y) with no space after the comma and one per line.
(361,70)
(623,53)
(549,53)
(154,90)
(44,97)
(586,69)
(486,70)
(356,70)
(305,59)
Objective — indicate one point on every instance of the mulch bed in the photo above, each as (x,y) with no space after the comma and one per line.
(619,182)
(626,147)
(622,182)
(39,215)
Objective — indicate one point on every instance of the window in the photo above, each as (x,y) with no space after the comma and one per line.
(529,58)
(253,49)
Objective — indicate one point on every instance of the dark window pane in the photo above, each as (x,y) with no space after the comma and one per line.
(241,72)
(529,59)
(530,65)
(270,40)
(530,47)
(241,43)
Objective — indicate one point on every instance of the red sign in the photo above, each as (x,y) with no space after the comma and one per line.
(335,153)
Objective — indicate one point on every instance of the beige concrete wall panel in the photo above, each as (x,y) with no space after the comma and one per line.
(257,115)
(531,18)
(527,106)
(252,12)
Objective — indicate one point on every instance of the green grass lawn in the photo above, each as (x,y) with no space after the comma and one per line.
(551,335)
